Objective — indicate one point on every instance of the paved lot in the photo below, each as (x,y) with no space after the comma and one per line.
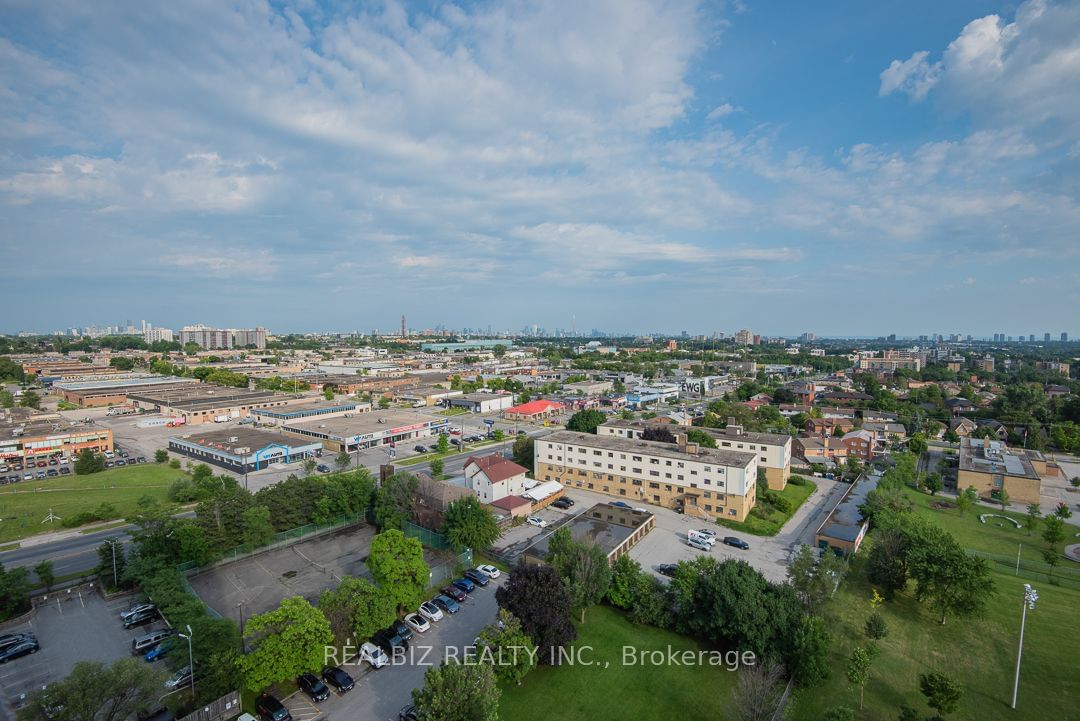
(76,627)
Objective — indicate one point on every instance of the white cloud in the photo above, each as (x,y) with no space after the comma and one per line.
(722,111)
(914,76)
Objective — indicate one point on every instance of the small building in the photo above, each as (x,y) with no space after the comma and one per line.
(494,477)
(588,388)
(514,506)
(991,467)
(533,410)
(844,528)
(368,430)
(481,402)
(28,435)
(243,450)
(614,529)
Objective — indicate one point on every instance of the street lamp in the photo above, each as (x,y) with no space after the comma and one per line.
(112,543)
(191,660)
(1030,597)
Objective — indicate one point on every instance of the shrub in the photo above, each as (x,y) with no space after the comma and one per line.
(876,628)
(183,490)
(174,463)
(161,455)
(797,481)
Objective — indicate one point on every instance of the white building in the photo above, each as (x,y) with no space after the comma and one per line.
(494,477)
(153,335)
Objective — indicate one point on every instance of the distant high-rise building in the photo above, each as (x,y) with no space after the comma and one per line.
(744,337)
(1046,337)
(403,329)
(892,337)
(1064,337)
(222,339)
(152,335)
(1031,338)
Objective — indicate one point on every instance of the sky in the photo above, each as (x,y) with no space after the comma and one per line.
(844,168)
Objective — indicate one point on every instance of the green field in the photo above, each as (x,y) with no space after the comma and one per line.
(767,521)
(24,505)
(980,653)
(618,692)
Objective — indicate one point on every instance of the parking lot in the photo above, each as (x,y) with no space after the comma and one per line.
(71,627)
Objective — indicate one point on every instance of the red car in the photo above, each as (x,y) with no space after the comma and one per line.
(453,592)
(42,464)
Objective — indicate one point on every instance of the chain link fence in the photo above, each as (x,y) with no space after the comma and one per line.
(1056,576)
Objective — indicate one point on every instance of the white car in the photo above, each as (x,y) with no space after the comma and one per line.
(417,622)
(373,654)
(536,521)
(431,612)
(698,543)
(490,570)
(707,538)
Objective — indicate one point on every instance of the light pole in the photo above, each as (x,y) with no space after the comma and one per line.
(243,643)
(1030,597)
(191,660)
(112,544)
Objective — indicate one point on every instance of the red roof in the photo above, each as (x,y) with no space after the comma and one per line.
(509,503)
(495,467)
(534,407)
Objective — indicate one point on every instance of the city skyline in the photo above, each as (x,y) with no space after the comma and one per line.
(630,165)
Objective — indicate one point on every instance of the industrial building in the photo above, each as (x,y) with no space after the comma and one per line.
(115,391)
(30,435)
(991,467)
(207,402)
(706,482)
(368,430)
(615,530)
(481,402)
(276,416)
(243,450)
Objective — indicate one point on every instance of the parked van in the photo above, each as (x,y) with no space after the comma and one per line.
(699,536)
(140,645)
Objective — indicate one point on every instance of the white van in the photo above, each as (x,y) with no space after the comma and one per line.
(705,538)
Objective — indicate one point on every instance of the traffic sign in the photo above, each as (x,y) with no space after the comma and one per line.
(489,422)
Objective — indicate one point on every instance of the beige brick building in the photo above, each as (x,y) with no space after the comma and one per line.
(990,466)
(702,481)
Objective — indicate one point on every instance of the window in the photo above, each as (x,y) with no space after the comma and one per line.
(725,444)
(654,473)
(667,463)
(637,470)
(654,461)
(667,475)
(597,453)
(654,485)
(635,458)
(680,477)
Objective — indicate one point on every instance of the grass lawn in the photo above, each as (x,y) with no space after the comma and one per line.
(764,520)
(451,412)
(24,505)
(617,692)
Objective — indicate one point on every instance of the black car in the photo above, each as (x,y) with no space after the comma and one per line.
(140,618)
(270,709)
(563,503)
(419,448)
(408,714)
(310,684)
(11,639)
(736,542)
(667,569)
(65,471)
(455,441)
(141,459)
(28,645)
(477,576)
(338,679)
(399,628)
(387,640)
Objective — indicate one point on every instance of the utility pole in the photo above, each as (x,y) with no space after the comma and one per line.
(191,661)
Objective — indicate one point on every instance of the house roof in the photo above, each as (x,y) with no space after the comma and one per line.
(496,467)
(509,503)
(538,406)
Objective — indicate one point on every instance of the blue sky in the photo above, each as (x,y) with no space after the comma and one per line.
(843,168)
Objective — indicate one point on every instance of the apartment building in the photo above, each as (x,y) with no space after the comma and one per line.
(773,449)
(700,481)
(223,338)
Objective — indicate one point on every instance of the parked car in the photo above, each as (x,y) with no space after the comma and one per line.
(22,648)
(704,537)
(313,686)
(140,645)
(141,618)
(322,468)
(458,594)
(477,576)
(40,474)
(141,459)
(446,603)
(455,441)
(536,521)
(667,569)
(417,622)
(419,448)
(490,570)
(736,542)
(63,472)
(181,678)
(10,639)
(563,503)
(464,584)
(388,640)
(270,709)
(337,678)
(402,629)
(408,714)
(431,612)
(698,543)
(373,655)
(619,504)
(52,473)
(137,608)
(159,651)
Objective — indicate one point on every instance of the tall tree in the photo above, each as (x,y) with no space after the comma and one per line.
(537,596)
(467,524)
(625,579)
(858,670)
(523,452)
(89,462)
(45,574)
(815,577)
(757,693)
(506,645)
(342,460)
(397,563)
(1053,531)
(103,693)
(458,692)
(436,466)
(947,577)
(284,643)
(357,608)
(15,589)
(586,572)
(1003,499)
(395,499)
(942,692)
(585,421)
(1031,520)
(258,531)
(808,659)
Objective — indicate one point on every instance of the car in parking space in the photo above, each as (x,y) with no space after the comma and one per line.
(477,576)
(313,686)
(464,584)
(337,678)
(698,543)
(373,655)
(563,503)
(181,678)
(433,449)
(402,629)
(140,618)
(110,464)
(42,464)
(419,448)
(40,474)
(417,623)
(53,462)
(458,594)
(408,714)
(431,612)
(63,472)
(455,441)
(141,459)
(446,603)
(10,639)
(522,433)
(28,477)
(52,473)
(388,640)
(22,648)
(536,521)
(704,537)
(736,542)
(270,709)
(159,651)
(667,569)
(137,608)
(490,570)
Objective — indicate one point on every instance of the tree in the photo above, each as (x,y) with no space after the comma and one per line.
(436,467)
(1053,532)
(536,595)
(284,643)
(342,460)
(469,525)
(443,444)
(328,393)
(585,570)
(933,483)
(384,402)
(45,574)
(30,399)
(161,455)
(947,577)
(89,462)
(103,693)
(309,465)
(625,581)
(876,628)
(838,713)
(397,563)
(258,530)
(858,670)
(7,400)
(808,659)
(1003,499)
(658,434)
(942,693)
(814,578)
(357,608)
(523,451)
(458,692)
(499,350)
(703,439)
(15,589)
(395,499)
(757,693)
(1031,520)
(917,445)
(506,645)
(110,554)
(966,499)
(585,421)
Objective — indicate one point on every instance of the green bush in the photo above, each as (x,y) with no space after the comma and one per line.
(174,463)
(797,481)
(183,490)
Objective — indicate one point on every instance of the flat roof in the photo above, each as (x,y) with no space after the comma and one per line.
(608,535)
(986,456)
(768,439)
(846,520)
(378,421)
(34,424)
(205,396)
(299,410)
(235,440)
(720,456)
(119,384)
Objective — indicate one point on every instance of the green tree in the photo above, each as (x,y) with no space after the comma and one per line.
(15,587)
(7,400)
(45,574)
(703,439)
(458,692)
(258,530)
(384,402)
(1003,499)
(858,670)
(436,466)
(161,455)
(808,659)
(814,578)
(309,466)
(875,627)
(942,693)
(395,499)
(523,451)
(625,580)
(966,499)
(933,483)
(443,444)
(328,393)
(838,713)
(467,524)
(947,577)
(397,563)
(284,643)
(537,596)
(585,421)
(89,462)
(11,371)
(585,570)
(103,693)
(1053,532)
(506,645)
(342,460)
(1031,520)
(917,445)
(30,399)
(357,608)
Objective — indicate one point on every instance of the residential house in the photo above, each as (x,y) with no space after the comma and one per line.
(962,427)
(494,477)
(958,406)
(861,444)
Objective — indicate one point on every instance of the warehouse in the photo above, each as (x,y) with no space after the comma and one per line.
(481,402)
(208,402)
(243,450)
(115,391)
(614,529)
(368,430)
(307,411)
